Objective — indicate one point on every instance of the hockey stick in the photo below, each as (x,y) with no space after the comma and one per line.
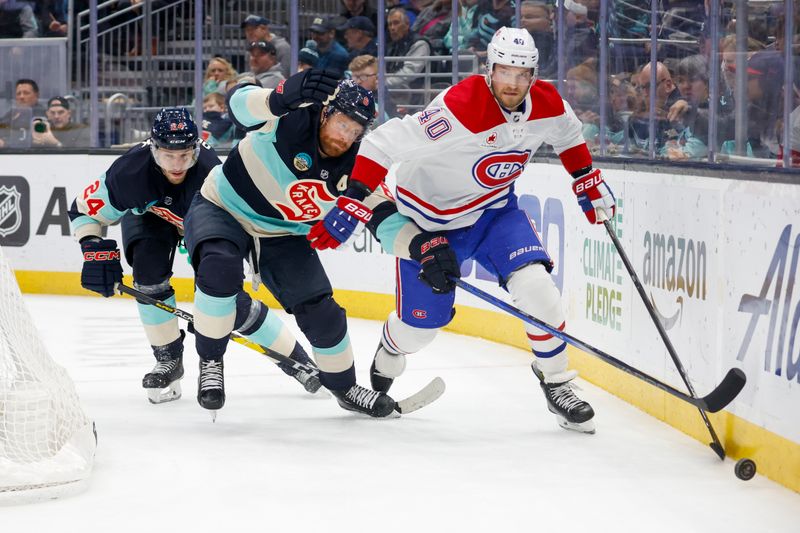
(715,443)
(715,401)
(263,350)
(418,400)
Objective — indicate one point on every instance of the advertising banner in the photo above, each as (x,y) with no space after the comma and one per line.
(718,260)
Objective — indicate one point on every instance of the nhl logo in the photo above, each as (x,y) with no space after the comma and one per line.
(10,210)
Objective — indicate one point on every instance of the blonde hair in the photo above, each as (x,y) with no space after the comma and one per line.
(218,98)
(728,44)
(361,62)
(230,72)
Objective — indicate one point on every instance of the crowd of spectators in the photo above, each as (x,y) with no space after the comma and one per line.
(419,31)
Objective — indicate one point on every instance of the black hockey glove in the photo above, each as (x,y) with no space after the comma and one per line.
(101,267)
(438,260)
(312,86)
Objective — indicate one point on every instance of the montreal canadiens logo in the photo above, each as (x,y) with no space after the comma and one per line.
(498,169)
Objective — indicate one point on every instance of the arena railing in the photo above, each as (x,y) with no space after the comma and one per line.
(43,60)
(168,74)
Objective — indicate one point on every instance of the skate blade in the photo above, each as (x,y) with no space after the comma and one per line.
(322,394)
(360,414)
(168,394)
(580,427)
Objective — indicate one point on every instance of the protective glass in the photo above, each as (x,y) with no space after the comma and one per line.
(344,127)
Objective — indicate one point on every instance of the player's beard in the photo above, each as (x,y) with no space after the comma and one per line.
(331,146)
(511,101)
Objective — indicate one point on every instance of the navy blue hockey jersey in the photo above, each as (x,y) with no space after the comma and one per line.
(275,182)
(134,183)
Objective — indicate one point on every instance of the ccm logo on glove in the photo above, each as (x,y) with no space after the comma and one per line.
(101,256)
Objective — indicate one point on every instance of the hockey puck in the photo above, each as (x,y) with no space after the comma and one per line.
(745,469)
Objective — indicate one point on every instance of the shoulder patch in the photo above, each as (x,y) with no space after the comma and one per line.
(472,104)
(545,101)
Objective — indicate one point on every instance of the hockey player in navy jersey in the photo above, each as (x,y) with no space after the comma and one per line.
(456,163)
(287,173)
(149,190)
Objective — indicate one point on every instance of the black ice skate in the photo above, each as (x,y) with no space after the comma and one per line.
(378,381)
(363,400)
(571,412)
(163,383)
(309,382)
(381,381)
(211,385)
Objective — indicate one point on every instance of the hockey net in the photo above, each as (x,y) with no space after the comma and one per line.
(46,441)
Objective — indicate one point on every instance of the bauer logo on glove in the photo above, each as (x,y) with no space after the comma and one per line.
(594,195)
(358,210)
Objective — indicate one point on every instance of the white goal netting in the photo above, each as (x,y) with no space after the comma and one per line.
(46,441)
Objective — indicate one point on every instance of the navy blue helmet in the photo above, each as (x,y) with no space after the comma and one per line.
(355,102)
(174,129)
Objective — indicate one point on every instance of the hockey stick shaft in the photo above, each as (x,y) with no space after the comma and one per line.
(263,350)
(420,399)
(716,445)
(715,401)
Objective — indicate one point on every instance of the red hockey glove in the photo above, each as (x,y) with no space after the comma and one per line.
(594,195)
(341,223)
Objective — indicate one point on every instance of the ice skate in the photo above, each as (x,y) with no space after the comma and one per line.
(385,368)
(310,382)
(211,385)
(365,401)
(571,412)
(163,383)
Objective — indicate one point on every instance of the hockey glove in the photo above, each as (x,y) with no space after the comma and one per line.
(594,195)
(438,261)
(341,223)
(309,87)
(101,267)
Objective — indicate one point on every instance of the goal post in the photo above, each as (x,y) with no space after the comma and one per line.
(47,443)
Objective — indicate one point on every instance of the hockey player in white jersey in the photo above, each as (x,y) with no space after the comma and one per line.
(455,165)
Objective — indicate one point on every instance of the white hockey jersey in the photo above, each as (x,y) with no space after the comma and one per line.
(462,154)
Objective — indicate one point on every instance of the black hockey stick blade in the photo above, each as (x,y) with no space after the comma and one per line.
(726,391)
(718,449)
(427,395)
(715,401)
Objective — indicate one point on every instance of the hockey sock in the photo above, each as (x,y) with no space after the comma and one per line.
(324,324)
(160,327)
(255,321)
(213,322)
(534,292)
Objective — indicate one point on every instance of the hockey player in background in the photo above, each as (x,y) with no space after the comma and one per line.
(285,174)
(149,189)
(456,165)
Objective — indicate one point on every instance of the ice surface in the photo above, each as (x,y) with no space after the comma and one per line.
(487,456)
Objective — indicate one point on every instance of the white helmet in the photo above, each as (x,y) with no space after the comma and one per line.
(513,47)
